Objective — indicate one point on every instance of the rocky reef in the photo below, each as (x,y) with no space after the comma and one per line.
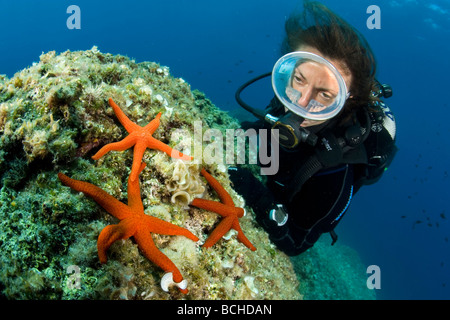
(54,116)
(335,272)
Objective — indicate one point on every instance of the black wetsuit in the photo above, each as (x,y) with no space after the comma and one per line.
(315,203)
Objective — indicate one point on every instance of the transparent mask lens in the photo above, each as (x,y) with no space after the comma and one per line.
(309,85)
(313,105)
(293,94)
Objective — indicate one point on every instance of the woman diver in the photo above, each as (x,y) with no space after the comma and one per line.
(334,132)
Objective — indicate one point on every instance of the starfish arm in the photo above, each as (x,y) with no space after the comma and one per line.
(150,251)
(122,145)
(134,192)
(153,125)
(110,234)
(129,125)
(161,146)
(108,202)
(159,226)
(222,228)
(138,154)
(241,236)
(213,206)
(225,198)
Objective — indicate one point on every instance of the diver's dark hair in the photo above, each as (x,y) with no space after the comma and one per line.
(319,27)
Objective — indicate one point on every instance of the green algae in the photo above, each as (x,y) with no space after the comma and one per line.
(54,116)
(342,275)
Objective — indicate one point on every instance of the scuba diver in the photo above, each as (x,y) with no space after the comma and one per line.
(335,134)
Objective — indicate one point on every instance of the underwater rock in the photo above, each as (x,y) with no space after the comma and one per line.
(335,272)
(54,116)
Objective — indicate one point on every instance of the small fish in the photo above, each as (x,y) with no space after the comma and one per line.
(417,222)
(443,215)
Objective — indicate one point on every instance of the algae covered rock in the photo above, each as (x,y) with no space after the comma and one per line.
(54,116)
(330,272)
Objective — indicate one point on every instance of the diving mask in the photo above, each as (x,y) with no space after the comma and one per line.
(309,85)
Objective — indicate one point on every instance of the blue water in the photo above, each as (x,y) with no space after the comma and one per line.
(215,46)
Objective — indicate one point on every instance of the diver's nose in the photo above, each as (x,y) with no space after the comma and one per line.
(305,97)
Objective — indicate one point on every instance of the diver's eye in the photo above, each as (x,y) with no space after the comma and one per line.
(298,79)
(326,96)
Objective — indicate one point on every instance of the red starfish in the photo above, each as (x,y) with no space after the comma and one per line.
(133,223)
(226,209)
(139,137)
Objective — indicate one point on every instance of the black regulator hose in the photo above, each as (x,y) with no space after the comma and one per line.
(260,114)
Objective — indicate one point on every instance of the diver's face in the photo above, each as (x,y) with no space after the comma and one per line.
(316,82)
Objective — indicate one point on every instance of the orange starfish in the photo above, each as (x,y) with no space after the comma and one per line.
(226,209)
(139,137)
(133,223)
